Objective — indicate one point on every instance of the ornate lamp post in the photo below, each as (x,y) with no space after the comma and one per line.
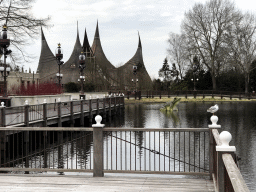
(194,69)
(82,77)
(195,80)
(135,73)
(4,44)
(59,56)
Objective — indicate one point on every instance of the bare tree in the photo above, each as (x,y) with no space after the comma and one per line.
(178,53)
(241,41)
(203,26)
(22,26)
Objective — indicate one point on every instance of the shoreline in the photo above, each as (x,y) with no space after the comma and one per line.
(189,99)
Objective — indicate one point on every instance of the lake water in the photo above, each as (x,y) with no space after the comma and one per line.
(239,118)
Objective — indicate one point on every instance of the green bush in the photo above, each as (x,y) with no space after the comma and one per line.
(71,87)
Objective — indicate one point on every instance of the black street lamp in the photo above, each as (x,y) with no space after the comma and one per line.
(82,77)
(194,80)
(59,57)
(135,73)
(194,69)
(4,44)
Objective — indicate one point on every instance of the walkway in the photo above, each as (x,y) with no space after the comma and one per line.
(111,182)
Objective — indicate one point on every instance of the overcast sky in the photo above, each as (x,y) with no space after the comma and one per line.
(119,23)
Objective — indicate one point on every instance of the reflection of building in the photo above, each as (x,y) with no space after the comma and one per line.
(98,71)
(17,79)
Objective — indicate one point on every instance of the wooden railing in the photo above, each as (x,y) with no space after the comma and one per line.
(223,167)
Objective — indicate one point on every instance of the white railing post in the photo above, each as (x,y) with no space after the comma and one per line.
(98,147)
(2,123)
(45,113)
(59,113)
(225,138)
(214,125)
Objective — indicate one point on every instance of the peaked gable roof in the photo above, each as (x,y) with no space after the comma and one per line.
(47,65)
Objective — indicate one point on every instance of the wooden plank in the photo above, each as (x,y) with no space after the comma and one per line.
(216,136)
(49,182)
(156,129)
(46,129)
(234,174)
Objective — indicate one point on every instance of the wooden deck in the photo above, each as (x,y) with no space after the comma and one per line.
(111,182)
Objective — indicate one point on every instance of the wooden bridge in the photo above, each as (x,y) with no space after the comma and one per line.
(46,114)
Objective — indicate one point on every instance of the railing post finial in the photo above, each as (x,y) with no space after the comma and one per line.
(26,102)
(214,119)
(2,104)
(44,101)
(225,138)
(98,120)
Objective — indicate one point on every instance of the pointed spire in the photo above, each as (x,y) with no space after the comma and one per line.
(97,31)
(139,46)
(77,29)
(86,45)
(42,34)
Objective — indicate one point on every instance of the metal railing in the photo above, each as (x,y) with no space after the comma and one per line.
(136,150)
(187,93)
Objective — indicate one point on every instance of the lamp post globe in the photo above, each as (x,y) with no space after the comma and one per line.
(59,57)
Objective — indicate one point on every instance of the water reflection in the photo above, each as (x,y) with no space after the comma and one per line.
(236,117)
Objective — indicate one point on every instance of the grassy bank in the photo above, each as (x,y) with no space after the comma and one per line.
(189,99)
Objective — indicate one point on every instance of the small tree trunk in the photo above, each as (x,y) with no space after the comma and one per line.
(246,82)
(213,82)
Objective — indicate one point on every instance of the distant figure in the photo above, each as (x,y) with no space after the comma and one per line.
(213,109)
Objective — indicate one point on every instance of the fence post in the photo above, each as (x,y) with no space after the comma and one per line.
(71,113)
(104,107)
(115,104)
(45,113)
(90,110)
(3,119)
(110,108)
(160,95)
(98,147)
(82,112)
(3,138)
(119,103)
(26,114)
(98,106)
(225,138)
(59,113)
(214,120)
(26,135)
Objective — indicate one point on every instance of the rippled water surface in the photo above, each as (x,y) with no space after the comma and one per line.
(239,118)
